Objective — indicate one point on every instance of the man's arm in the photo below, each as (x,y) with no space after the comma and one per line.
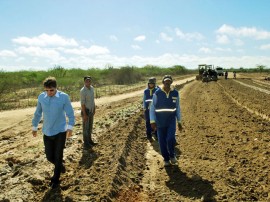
(178,110)
(36,119)
(70,114)
(178,113)
(144,98)
(153,113)
(94,104)
(83,108)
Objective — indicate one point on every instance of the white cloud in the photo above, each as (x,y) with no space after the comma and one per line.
(164,60)
(113,38)
(20,59)
(251,32)
(55,49)
(38,52)
(205,50)
(44,40)
(7,53)
(136,47)
(240,50)
(222,39)
(165,37)
(192,61)
(140,38)
(238,42)
(93,50)
(265,47)
(188,36)
(224,49)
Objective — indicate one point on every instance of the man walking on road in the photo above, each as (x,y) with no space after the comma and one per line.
(88,109)
(164,111)
(147,100)
(234,74)
(55,106)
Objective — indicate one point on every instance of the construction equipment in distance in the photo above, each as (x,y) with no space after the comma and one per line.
(206,73)
(220,71)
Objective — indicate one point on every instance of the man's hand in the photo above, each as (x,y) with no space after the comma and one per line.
(69,133)
(34,133)
(180,127)
(154,126)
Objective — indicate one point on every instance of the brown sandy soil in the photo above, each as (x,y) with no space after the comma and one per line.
(223,152)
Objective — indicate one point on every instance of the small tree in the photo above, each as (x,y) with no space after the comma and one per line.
(58,71)
(261,68)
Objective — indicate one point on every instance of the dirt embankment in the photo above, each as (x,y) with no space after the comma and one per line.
(223,153)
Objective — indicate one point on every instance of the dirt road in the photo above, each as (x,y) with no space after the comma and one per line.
(223,152)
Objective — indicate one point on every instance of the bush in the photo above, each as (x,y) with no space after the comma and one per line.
(125,75)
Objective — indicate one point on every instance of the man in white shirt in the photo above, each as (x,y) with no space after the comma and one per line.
(88,109)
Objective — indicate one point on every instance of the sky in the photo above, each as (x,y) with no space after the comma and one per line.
(43,34)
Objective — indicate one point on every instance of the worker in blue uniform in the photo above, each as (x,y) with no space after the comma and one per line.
(147,99)
(164,113)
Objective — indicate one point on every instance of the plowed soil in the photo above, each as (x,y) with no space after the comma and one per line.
(223,151)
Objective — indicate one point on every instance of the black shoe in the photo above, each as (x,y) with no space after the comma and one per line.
(54,185)
(63,168)
(87,146)
(93,143)
(150,139)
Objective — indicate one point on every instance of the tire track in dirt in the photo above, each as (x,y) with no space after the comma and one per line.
(254,87)
(239,103)
(109,169)
(262,83)
(22,160)
(223,144)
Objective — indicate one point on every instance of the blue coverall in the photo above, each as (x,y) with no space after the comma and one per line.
(164,111)
(147,100)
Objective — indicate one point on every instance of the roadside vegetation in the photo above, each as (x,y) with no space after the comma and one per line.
(20,89)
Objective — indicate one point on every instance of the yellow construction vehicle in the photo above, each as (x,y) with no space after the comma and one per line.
(202,68)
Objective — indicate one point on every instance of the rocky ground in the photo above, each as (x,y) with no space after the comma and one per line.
(223,152)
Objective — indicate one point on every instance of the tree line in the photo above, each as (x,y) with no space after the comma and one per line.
(20,89)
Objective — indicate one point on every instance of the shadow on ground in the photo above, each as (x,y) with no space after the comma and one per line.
(191,187)
(88,158)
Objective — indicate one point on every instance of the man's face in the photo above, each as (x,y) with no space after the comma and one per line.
(151,85)
(87,83)
(167,83)
(50,91)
